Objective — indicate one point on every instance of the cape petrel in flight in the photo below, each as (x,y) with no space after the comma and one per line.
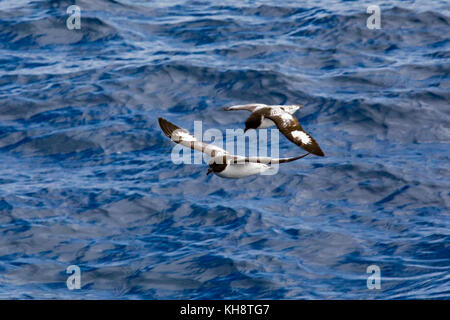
(264,116)
(222,163)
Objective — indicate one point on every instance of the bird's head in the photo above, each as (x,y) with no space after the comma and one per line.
(217,164)
(251,123)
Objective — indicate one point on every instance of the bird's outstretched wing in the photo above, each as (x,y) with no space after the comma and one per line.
(291,128)
(183,137)
(249,107)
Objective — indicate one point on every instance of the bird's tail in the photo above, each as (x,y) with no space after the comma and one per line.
(284,160)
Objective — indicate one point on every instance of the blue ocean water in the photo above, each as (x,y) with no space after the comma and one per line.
(87,179)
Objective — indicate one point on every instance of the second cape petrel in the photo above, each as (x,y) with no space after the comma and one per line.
(264,116)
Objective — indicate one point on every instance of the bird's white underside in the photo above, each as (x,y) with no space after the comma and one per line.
(234,171)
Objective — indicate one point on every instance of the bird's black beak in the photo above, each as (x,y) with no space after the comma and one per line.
(209,171)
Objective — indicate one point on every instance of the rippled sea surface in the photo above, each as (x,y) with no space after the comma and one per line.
(86,176)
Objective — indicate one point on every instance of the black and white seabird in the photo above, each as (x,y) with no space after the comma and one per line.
(264,116)
(222,163)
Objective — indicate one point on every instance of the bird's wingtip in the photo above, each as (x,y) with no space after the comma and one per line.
(163,123)
(167,127)
(320,153)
